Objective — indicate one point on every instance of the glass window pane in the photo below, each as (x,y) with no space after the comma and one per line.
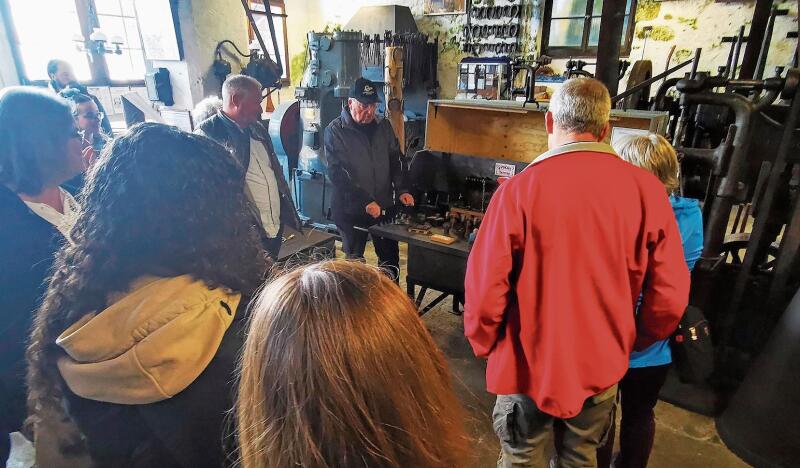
(566,33)
(112,26)
(129,10)
(624,30)
(126,67)
(37,48)
(132,34)
(563,8)
(597,7)
(594,32)
(108,7)
(263,27)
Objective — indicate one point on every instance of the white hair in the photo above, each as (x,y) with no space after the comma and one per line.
(581,105)
(238,85)
(206,108)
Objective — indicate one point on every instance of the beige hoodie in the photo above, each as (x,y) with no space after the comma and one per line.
(150,344)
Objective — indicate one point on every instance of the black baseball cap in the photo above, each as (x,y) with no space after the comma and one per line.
(365,91)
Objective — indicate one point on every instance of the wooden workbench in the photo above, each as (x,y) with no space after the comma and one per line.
(507,130)
(431,265)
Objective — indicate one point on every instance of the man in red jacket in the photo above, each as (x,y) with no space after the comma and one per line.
(553,280)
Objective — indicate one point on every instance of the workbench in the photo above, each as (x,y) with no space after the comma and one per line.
(431,265)
(311,244)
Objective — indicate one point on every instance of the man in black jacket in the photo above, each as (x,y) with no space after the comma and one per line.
(237,127)
(366,169)
(62,78)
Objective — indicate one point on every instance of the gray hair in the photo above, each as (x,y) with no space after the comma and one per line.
(35,127)
(581,105)
(238,84)
(206,108)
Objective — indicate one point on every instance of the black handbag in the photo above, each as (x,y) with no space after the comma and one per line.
(692,349)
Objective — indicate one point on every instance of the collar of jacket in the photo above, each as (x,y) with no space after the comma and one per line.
(150,344)
(255,131)
(348,121)
(578,146)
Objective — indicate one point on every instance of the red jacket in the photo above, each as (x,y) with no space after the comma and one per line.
(556,269)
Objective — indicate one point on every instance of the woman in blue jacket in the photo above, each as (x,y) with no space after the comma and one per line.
(640,386)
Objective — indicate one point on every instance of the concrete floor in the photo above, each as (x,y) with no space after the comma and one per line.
(683,439)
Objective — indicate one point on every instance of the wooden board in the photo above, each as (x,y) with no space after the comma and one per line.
(506,130)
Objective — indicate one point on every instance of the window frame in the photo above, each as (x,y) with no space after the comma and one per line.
(88,19)
(275,17)
(584,50)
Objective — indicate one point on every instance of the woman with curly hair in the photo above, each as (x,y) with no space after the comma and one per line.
(338,370)
(138,333)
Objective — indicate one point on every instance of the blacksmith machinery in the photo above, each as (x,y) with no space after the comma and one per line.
(738,138)
(381,44)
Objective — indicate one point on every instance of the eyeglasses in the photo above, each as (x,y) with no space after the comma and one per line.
(92,115)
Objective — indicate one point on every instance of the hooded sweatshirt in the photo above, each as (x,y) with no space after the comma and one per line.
(150,377)
(690,224)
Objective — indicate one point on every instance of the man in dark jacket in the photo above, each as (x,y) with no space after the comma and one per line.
(62,77)
(365,167)
(237,127)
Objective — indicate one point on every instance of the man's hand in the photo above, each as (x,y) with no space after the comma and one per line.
(374,210)
(407,199)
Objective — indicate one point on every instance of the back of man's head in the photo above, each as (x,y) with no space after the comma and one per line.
(581,105)
(238,85)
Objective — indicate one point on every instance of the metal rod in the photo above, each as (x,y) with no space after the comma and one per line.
(736,50)
(762,55)
(695,62)
(263,45)
(760,32)
(641,85)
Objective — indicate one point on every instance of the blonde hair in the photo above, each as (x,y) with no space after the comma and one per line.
(339,370)
(654,153)
(581,105)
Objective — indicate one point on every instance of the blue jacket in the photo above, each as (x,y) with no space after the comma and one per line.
(690,223)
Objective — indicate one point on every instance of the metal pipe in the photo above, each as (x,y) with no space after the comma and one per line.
(641,85)
(695,62)
(758,37)
(762,55)
(609,42)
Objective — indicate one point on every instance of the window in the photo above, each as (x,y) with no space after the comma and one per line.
(571,28)
(118,18)
(41,37)
(278,9)
(64,28)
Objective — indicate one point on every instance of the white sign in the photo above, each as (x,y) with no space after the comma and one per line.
(504,170)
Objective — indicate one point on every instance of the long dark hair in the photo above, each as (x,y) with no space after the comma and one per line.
(161,202)
(339,370)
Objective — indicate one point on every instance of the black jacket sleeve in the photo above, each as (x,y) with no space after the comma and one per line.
(339,173)
(396,166)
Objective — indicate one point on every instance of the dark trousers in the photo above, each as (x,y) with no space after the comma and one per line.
(639,393)
(273,244)
(354,242)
